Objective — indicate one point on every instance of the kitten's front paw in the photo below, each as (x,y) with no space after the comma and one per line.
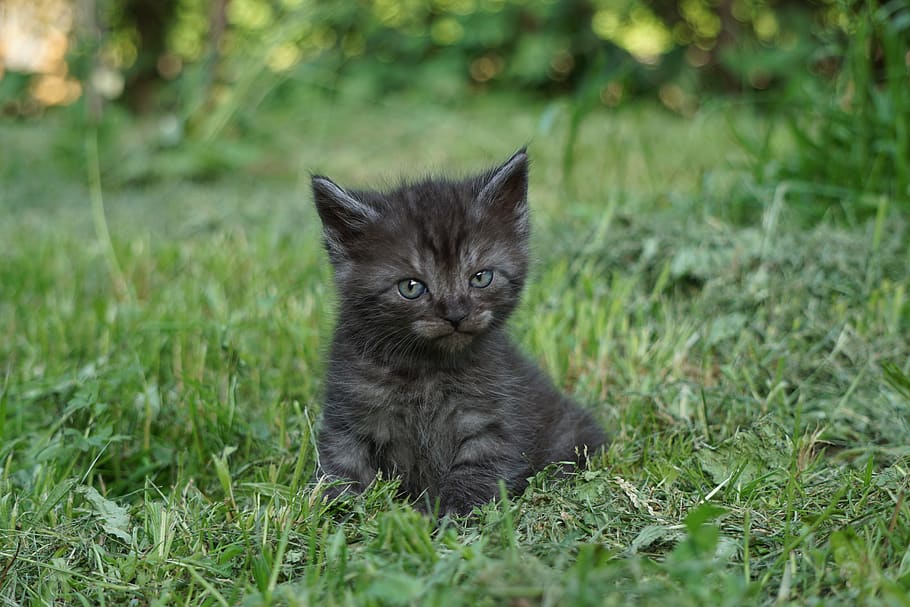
(456,506)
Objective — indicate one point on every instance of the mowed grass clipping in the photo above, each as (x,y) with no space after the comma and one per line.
(157,440)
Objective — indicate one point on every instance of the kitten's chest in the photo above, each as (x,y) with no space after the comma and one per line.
(416,426)
(411,412)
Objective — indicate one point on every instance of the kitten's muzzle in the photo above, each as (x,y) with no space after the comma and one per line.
(453,310)
(455,318)
(453,328)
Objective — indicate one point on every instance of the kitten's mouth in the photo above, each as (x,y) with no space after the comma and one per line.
(455,331)
(454,339)
(445,335)
(455,335)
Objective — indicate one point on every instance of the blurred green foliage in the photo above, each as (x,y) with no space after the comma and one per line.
(445,47)
(852,133)
(836,71)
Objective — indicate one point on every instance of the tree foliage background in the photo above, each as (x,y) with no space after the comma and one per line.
(448,47)
(836,70)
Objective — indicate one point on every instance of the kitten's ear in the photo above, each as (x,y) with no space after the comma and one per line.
(506,187)
(343,215)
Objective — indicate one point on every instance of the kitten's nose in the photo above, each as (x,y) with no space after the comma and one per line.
(453,310)
(456,317)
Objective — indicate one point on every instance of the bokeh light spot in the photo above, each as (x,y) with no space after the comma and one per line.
(446,31)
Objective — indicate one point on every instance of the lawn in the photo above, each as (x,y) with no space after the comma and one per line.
(159,397)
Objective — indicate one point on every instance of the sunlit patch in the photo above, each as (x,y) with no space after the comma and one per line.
(446,31)
(34,40)
(640,32)
(283,57)
(56,90)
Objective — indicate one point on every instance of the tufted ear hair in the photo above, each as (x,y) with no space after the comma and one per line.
(343,215)
(504,190)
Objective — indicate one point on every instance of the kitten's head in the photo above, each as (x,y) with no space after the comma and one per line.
(431,266)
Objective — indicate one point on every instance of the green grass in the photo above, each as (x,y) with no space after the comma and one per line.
(157,441)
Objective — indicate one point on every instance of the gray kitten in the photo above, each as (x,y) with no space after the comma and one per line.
(423,381)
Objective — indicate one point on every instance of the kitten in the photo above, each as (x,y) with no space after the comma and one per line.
(423,381)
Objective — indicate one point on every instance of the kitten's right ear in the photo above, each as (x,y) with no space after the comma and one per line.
(505,188)
(343,215)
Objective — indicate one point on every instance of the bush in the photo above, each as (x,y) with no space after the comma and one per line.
(851,134)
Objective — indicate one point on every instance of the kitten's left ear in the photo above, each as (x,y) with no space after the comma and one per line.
(506,187)
(343,214)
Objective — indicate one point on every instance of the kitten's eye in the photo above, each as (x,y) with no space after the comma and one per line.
(411,289)
(482,279)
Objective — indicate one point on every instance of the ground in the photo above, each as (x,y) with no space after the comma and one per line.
(159,391)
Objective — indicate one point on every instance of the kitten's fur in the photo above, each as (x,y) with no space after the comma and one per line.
(451,406)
